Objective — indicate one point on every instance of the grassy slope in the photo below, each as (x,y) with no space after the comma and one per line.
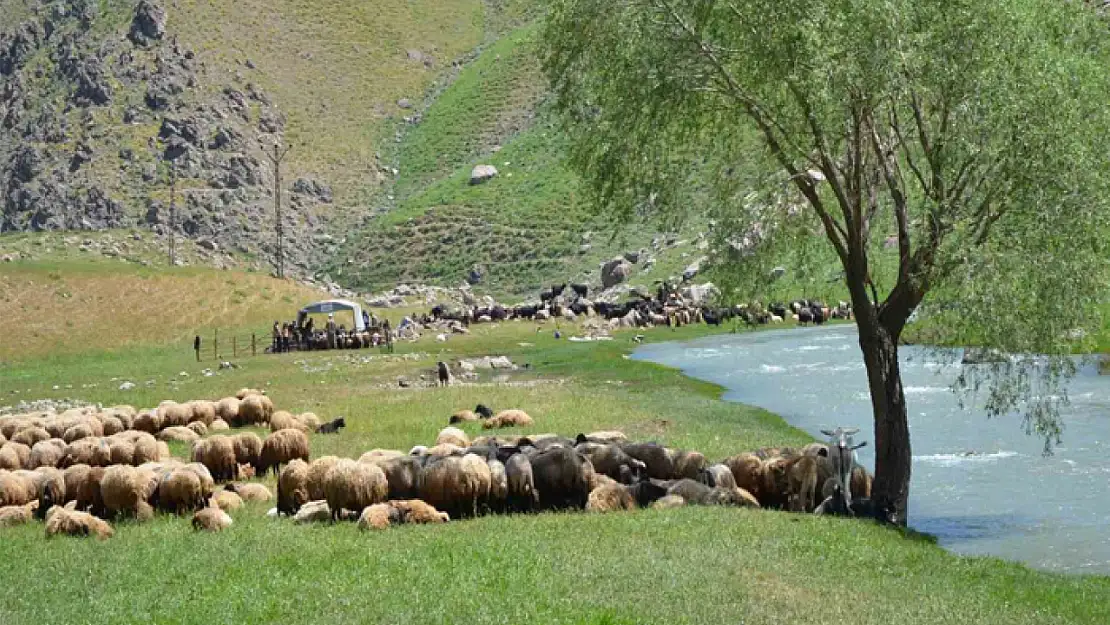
(694,565)
(62,307)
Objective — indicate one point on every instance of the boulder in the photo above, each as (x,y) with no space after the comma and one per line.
(698,294)
(482,173)
(778,272)
(632,257)
(148,23)
(615,272)
(692,270)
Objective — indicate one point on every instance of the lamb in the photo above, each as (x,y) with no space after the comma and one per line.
(177,433)
(483,412)
(124,491)
(250,492)
(248,448)
(332,427)
(10,516)
(30,436)
(226,500)
(453,436)
(382,515)
(378,516)
(281,447)
(181,490)
(353,486)
(211,520)
(508,419)
(292,487)
(227,409)
(456,484)
(73,523)
(563,478)
(609,498)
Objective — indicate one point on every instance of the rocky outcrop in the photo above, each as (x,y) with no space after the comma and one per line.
(149,23)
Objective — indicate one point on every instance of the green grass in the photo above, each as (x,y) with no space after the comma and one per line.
(686,566)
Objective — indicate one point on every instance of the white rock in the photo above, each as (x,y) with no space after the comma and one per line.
(482,173)
(126,386)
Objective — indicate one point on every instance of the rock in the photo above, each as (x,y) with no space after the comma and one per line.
(778,272)
(148,23)
(615,272)
(632,257)
(585,247)
(208,244)
(404,103)
(474,276)
(699,294)
(126,386)
(313,188)
(482,173)
(692,270)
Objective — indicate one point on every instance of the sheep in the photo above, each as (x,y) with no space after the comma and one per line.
(281,447)
(483,411)
(371,455)
(226,500)
(50,489)
(254,409)
(218,454)
(658,462)
(498,497)
(48,453)
(282,420)
(353,486)
(687,464)
(174,414)
(668,502)
(609,498)
(207,483)
(148,421)
(317,471)
(111,424)
(747,471)
(463,416)
(802,484)
(508,419)
(198,427)
(453,436)
(11,455)
(610,460)
(227,409)
(697,493)
(202,411)
(181,490)
(146,449)
(211,520)
(332,427)
(292,488)
(312,512)
(244,393)
(382,515)
(247,447)
(378,516)
(562,477)
(443,374)
(94,452)
(124,491)
(610,436)
(10,516)
(250,492)
(74,523)
(32,435)
(311,422)
(456,484)
(522,495)
(17,488)
(719,476)
(401,472)
(179,434)
(219,425)
(83,488)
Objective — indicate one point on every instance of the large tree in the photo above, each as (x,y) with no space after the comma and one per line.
(970,135)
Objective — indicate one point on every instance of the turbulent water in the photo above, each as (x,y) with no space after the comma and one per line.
(980,485)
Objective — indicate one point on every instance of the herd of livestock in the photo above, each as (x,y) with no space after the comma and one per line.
(83,468)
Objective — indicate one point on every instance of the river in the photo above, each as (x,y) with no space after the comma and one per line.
(980,485)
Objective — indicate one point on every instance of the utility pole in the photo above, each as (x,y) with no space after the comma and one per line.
(276,158)
(173,213)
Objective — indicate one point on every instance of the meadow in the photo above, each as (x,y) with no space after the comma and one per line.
(693,565)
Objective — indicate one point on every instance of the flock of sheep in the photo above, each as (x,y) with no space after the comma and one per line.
(82,468)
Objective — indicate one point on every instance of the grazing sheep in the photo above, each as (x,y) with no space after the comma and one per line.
(658,462)
(17,488)
(292,487)
(281,447)
(247,447)
(563,477)
(498,499)
(317,471)
(226,500)
(463,416)
(443,374)
(198,427)
(719,476)
(453,436)
(10,516)
(94,452)
(508,419)
(483,411)
(83,488)
(32,435)
(179,434)
(75,433)
(610,498)
(668,502)
(332,427)
(373,454)
(244,393)
(378,517)
(202,411)
(610,460)
(211,520)
(401,472)
(227,409)
(74,523)
(522,488)
(111,424)
(311,422)
(456,484)
(747,471)
(124,491)
(816,449)
(252,410)
(148,421)
(282,420)
(48,453)
(219,425)
(11,455)
(181,490)
(700,494)
(609,436)
(687,464)
(250,492)
(174,414)
(312,512)
(860,482)
(50,489)
(353,486)
(121,451)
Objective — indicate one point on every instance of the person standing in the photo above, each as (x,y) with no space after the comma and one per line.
(331,331)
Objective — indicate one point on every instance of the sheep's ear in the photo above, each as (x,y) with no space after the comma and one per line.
(828,432)
(851,431)
(823,452)
(581,438)
(863,444)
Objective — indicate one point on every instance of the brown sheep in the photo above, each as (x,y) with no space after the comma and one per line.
(17,488)
(687,464)
(50,488)
(378,517)
(309,420)
(32,435)
(226,500)
(219,425)
(94,452)
(125,490)
(508,419)
(719,475)
(281,447)
(211,520)
(73,523)
(83,488)
(244,393)
(248,447)
(48,453)
(463,416)
(177,433)
(610,498)
(860,483)
(148,421)
(282,420)
(218,454)
(292,487)
(111,424)
(10,455)
(317,471)
(658,460)
(522,487)
(255,409)
(747,471)
(181,490)
(174,414)
(250,492)
(227,409)
(668,502)
(419,512)
(456,484)
(353,486)
(202,411)
(146,449)
(198,427)
(10,516)
(802,480)
(453,436)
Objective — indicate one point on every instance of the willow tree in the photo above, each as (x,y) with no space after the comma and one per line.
(971,135)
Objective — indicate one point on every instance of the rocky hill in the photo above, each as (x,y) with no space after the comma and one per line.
(388,109)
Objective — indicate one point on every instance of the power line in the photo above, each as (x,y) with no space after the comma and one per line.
(276,158)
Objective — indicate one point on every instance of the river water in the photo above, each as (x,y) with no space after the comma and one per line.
(1004,498)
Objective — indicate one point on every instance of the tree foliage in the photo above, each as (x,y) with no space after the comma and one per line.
(954,149)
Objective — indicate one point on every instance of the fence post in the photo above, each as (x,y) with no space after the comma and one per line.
(216,344)
(253,353)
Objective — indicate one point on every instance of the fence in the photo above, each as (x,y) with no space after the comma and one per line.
(218,346)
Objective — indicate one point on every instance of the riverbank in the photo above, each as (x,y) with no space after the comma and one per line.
(695,565)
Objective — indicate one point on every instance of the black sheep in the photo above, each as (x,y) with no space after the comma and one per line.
(581,290)
(483,411)
(333,427)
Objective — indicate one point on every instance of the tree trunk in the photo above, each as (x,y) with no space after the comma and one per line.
(891,489)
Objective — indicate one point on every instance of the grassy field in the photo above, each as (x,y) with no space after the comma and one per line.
(685,566)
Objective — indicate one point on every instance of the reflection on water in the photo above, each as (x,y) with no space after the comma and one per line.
(980,485)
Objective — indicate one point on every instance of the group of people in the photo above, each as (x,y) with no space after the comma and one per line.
(292,336)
